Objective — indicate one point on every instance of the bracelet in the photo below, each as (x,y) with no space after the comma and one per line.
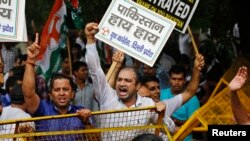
(31,63)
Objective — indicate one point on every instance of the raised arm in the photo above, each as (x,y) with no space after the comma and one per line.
(90,30)
(32,100)
(240,114)
(103,92)
(194,82)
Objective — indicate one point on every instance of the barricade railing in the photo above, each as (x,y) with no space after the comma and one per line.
(113,125)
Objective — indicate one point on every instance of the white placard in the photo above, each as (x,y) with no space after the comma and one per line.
(12,21)
(135,30)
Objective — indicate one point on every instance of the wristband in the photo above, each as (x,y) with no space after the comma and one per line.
(31,63)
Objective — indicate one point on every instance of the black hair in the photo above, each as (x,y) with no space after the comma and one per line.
(18,71)
(11,82)
(16,94)
(64,54)
(79,52)
(76,45)
(177,69)
(22,57)
(147,137)
(57,76)
(78,64)
(149,78)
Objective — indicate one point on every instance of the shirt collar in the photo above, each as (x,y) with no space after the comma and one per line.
(137,103)
(57,109)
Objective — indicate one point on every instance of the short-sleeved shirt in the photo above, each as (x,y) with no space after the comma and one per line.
(13,113)
(185,111)
(48,109)
(71,123)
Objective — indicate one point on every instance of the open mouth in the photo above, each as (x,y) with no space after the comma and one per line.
(123,91)
(62,99)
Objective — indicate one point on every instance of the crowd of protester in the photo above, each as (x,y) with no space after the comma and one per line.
(182,86)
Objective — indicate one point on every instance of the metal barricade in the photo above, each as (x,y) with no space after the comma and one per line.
(113,125)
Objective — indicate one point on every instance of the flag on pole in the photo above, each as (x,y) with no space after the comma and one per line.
(65,14)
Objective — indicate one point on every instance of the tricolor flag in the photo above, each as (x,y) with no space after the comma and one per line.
(64,14)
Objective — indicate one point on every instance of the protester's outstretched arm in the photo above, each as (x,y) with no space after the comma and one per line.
(103,92)
(32,100)
(241,115)
(118,57)
(194,82)
(239,79)
(90,30)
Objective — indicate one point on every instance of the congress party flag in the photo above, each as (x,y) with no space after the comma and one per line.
(63,16)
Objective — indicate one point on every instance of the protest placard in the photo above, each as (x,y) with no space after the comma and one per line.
(12,21)
(135,30)
(179,11)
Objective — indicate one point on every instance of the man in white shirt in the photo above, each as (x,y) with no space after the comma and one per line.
(16,111)
(125,94)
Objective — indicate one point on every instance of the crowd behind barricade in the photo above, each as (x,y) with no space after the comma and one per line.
(172,82)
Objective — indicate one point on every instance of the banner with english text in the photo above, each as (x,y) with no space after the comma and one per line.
(179,11)
(135,30)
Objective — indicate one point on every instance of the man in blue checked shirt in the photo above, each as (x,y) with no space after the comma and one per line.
(61,90)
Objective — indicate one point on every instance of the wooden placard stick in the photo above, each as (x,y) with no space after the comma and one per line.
(111,69)
(193,41)
(69,56)
(2,68)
